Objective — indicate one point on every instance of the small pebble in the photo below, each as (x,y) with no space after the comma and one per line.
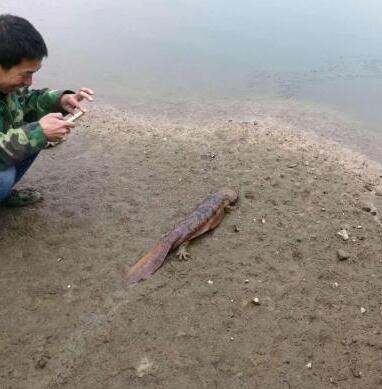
(42,361)
(144,367)
(256,301)
(369,187)
(343,234)
(69,286)
(246,281)
(356,373)
(236,228)
(263,220)
(342,255)
(363,310)
(249,195)
(309,365)
(232,338)
(336,284)
(210,282)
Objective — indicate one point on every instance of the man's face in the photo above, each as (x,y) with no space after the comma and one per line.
(18,76)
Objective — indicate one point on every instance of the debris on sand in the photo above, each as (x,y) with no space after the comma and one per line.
(343,234)
(342,255)
(144,367)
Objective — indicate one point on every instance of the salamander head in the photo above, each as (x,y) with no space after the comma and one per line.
(231,195)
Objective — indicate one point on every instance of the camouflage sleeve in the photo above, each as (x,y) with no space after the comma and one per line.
(39,102)
(20,143)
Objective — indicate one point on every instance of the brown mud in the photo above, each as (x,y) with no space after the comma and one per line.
(121,181)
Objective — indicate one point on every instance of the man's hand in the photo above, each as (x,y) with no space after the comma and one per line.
(55,127)
(71,102)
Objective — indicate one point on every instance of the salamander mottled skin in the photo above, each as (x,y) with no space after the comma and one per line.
(207,216)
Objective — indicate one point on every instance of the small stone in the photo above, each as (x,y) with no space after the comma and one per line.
(210,282)
(236,228)
(369,187)
(292,165)
(69,286)
(42,361)
(256,301)
(144,367)
(363,310)
(356,373)
(232,338)
(335,284)
(342,255)
(263,220)
(246,281)
(343,234)
(378,190)
(309,365)
(366,206)
(249,194)
(323,209)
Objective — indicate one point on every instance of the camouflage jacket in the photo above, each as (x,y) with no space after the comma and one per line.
(20,132)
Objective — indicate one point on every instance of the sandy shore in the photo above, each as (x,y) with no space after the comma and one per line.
(118,183)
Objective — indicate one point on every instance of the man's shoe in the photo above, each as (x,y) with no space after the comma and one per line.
(22,198)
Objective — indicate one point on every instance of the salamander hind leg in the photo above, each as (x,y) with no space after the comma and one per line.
(182,253)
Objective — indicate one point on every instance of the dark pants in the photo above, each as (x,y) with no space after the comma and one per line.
(10,176)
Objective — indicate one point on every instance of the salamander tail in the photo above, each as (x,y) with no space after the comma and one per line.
(149,263)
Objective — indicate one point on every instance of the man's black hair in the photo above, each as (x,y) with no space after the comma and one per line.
(19,40)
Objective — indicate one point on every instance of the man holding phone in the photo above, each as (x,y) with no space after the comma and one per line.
(29,119)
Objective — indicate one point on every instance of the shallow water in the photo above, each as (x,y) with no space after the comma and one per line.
(326,52)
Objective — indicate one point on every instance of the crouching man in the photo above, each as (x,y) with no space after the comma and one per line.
(29,119)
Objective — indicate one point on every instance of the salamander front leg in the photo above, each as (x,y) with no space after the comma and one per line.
(229,208)
(182,253)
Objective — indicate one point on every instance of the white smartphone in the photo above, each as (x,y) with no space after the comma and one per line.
(75,116)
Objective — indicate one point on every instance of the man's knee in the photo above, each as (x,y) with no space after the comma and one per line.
(7,180)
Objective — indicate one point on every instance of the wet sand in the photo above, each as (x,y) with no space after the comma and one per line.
(122,180)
